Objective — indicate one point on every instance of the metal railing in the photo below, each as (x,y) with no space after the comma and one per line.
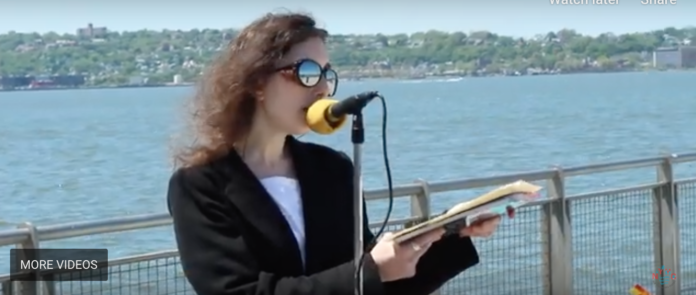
(599,242)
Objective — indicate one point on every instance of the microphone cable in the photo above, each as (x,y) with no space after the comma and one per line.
(390,199)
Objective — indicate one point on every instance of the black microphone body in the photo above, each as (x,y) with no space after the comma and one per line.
(352,105)
(326,116)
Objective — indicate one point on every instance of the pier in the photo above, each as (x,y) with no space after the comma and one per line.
(583,237)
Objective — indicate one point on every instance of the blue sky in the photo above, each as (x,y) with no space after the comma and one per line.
(522,18)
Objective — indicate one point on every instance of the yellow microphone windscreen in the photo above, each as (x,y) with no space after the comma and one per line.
(316,117)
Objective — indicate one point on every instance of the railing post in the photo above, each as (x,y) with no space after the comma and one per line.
(666,231)
(27,288)
(30,288)
(420,206)
(558,239)
(420,203)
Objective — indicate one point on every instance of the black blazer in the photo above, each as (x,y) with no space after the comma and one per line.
(233,239)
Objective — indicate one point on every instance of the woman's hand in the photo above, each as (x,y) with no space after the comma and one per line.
(483,229)
(398,261)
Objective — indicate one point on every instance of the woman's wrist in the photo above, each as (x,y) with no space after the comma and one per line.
(372,278)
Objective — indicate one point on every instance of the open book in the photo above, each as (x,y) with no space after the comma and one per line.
(500,201)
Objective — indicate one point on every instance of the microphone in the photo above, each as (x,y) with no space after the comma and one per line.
(326,116)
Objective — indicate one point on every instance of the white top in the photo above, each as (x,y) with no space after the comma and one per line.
(286,194)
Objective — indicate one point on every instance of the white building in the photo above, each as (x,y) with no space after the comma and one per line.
(178,79)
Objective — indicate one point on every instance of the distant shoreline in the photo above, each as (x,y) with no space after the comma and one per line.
(351,79)
(99,87)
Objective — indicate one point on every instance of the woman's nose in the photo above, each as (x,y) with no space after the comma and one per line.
(321,89)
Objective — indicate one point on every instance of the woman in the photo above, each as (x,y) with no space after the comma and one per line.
(257,211)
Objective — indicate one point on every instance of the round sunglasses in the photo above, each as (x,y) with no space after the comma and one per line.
(308,73)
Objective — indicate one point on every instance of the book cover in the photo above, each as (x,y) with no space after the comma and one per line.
(639,290)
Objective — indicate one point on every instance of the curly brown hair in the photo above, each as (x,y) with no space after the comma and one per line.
(224,104)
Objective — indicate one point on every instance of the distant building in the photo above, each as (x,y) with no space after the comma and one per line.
(689,57)
(12,82)
(69,80)
(178,79)
(91,32)
(137,80)
(675,57)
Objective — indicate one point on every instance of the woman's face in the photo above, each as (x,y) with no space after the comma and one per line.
(284,99)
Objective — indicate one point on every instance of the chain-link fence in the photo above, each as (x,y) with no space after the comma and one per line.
(613,247)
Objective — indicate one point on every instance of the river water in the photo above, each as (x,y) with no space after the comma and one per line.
(77,155)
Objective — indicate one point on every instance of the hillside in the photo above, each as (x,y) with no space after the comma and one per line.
(113,58)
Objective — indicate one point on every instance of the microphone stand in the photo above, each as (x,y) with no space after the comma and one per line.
(358,138)
(354,106)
